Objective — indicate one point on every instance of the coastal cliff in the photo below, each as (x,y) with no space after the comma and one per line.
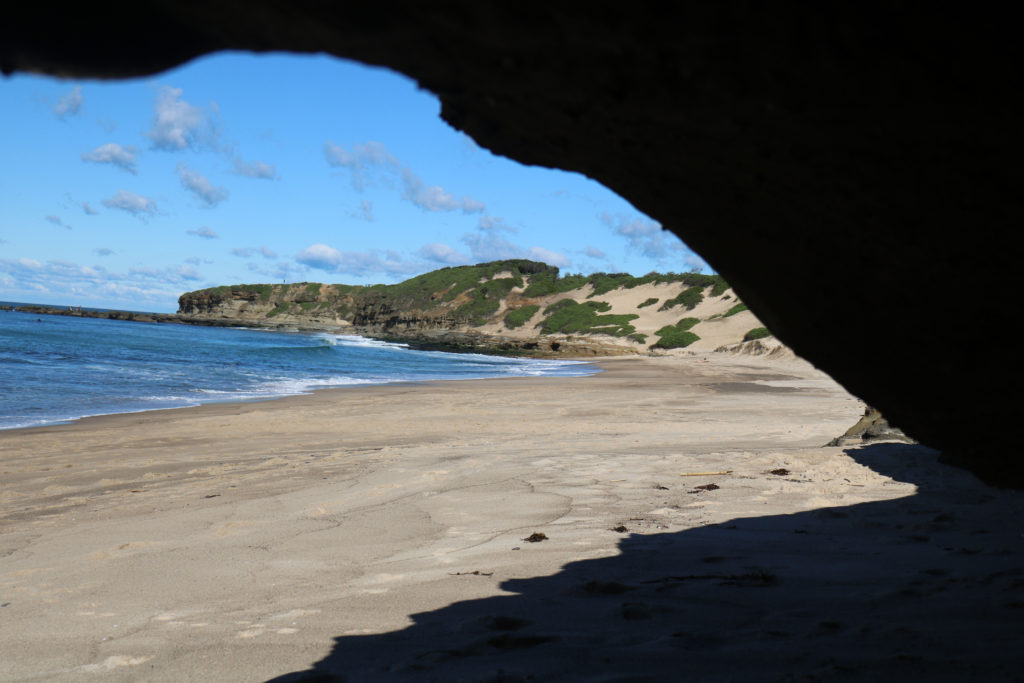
(515,306)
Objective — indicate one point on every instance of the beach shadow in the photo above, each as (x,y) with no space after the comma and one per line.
(928,586)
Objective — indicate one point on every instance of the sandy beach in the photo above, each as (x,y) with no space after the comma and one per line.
(695,526)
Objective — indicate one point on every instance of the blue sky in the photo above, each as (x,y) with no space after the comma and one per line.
(239,168)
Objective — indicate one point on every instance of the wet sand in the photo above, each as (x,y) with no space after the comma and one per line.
(377,533)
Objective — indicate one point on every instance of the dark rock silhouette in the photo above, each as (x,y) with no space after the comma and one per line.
(852,170)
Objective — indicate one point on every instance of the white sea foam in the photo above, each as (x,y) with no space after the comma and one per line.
(363,342)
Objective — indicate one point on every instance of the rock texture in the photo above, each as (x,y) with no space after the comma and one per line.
(871,427)
(852,170)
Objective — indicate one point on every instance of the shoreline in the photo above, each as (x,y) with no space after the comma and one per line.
(380,534)
(282,397)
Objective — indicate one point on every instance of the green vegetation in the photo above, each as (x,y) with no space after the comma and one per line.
(602,283)
(518,317)
(757,333)
(477,311)
(638,337)
(648,302)
(307,305)
(544,284)
(606,282)
(281,307)
(569,316)
(689,297)
(263,290)
(486,299)
(735,309)
(676,336)
(430,289)
(313,288)
(687,323)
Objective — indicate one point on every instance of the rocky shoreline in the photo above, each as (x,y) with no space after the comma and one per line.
(430,339)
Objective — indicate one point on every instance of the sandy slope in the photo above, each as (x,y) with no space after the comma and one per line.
(379,532)
(714,330)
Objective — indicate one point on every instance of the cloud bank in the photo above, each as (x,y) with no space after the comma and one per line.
(370,158)
(114,154)
(69,104)
(359,263)
(249,252)
(204,232)
(178,125)
(196,183)
(137,205)
(255,169)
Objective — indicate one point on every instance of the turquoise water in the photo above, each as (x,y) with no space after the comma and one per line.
(55,369)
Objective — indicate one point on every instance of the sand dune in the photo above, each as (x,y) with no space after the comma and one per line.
(378,534)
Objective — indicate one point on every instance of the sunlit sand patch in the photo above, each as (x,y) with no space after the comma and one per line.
(295,614)
(253,632)
(114,662)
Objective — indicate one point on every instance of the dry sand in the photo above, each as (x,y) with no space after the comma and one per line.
(377,533)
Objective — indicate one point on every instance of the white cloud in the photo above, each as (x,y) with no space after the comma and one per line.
(434,197)
(442,253)
(470,205)
(255,169)
(177,274)
(178,125)
(103,251)
(69,104)
(111,153)
(249,252)
(135,204)
(281,270)
(594,252)
(359,160)
(360,263)
(492,224)
(370,157)
(486,244)
(203,189)
(204,232)
(644,235)
(89,211)
(57,221)
(320,256)
(197,261)
(70,281)
(553,258)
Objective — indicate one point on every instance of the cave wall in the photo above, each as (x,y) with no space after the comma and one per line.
(854,172)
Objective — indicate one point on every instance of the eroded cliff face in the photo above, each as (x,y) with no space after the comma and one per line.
(507,306)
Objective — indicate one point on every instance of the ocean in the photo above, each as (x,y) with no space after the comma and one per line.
(55,369)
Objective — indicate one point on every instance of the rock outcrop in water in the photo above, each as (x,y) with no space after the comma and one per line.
(515,306)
